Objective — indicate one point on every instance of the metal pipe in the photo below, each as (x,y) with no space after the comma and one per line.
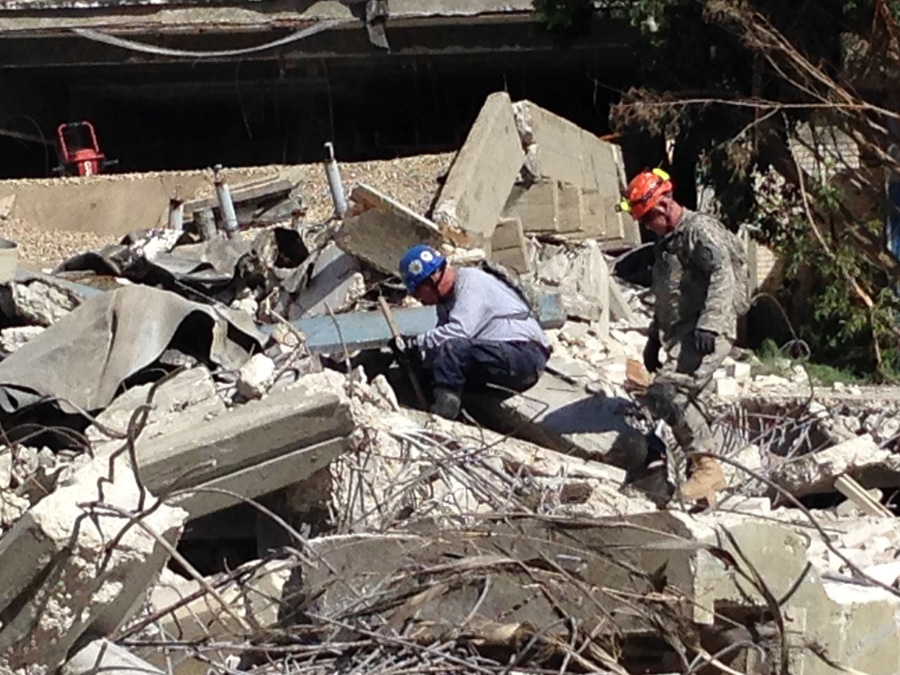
(226,204)
(176,215)
(338,198)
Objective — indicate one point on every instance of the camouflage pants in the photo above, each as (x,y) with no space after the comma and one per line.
(678,390)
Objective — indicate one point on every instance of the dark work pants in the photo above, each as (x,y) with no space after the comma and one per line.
(470,365)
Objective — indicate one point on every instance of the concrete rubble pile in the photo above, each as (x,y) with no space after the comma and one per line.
(210,464)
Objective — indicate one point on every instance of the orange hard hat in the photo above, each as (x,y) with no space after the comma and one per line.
(644,192)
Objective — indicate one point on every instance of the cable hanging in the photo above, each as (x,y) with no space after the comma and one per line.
(97,36)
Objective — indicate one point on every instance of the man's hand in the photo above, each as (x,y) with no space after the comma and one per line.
(651,354)
(403,344)
(704,341)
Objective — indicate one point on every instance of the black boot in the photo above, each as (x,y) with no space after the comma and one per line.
(446,403)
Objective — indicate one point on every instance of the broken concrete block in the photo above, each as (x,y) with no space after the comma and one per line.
(13,338)
(257,448)
(727,387)
(859,457)
(508,234)
(379,230)
(255,377)
(582,276)
(59,576)
(535,205)
(619,309)
(103,656)
(37,302)
(263,478)
(192,389)
(509,247)
(739,370)
(256,596)
(614,561)
(514,259)
(570,209)
(565,152)
(482,175)
(336,283)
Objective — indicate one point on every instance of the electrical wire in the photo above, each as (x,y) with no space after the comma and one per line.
(97,36)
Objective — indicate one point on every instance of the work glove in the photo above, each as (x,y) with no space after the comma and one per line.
(404,345)
(651,354)
(704,341)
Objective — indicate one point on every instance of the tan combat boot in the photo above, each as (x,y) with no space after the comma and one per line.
(705,481)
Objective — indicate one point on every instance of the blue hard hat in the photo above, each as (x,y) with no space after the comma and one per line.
(419,263)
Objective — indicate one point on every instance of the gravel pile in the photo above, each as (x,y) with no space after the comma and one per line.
(413,181)
(45,249)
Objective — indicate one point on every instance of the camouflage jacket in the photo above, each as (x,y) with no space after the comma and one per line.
(700,279)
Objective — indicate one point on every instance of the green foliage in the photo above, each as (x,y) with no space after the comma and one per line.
(773,362)
(835,322)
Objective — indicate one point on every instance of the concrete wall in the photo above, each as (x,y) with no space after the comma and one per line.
(115,204)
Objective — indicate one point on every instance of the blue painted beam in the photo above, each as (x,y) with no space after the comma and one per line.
(369,330)
(360,330)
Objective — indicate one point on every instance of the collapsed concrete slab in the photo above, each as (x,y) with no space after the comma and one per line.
(859,457)
(256,449)
(563,416)
(547,207)
(482,175)
(335,283)
(194,389)
(76,564)
(379,230)
(619,578)
(558,150)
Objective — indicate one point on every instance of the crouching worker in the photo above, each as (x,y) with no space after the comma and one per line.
(486,334)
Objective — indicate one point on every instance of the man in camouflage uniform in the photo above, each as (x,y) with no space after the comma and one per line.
(701,287)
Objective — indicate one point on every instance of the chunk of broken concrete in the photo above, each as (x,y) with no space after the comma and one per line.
(378,230)
(581,274)
(256,596)
(336,284)
(483,173)
(255,377)
(564,417)
(192,390)
(76,562)
(11,339)
(859,457)
(257,448)
(36,301)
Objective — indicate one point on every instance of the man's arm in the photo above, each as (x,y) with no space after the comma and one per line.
(464,320)
(712,256)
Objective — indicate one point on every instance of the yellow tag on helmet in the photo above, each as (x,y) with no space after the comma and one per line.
(661,174)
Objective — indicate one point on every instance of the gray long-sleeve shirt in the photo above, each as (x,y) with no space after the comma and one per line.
(483,308)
